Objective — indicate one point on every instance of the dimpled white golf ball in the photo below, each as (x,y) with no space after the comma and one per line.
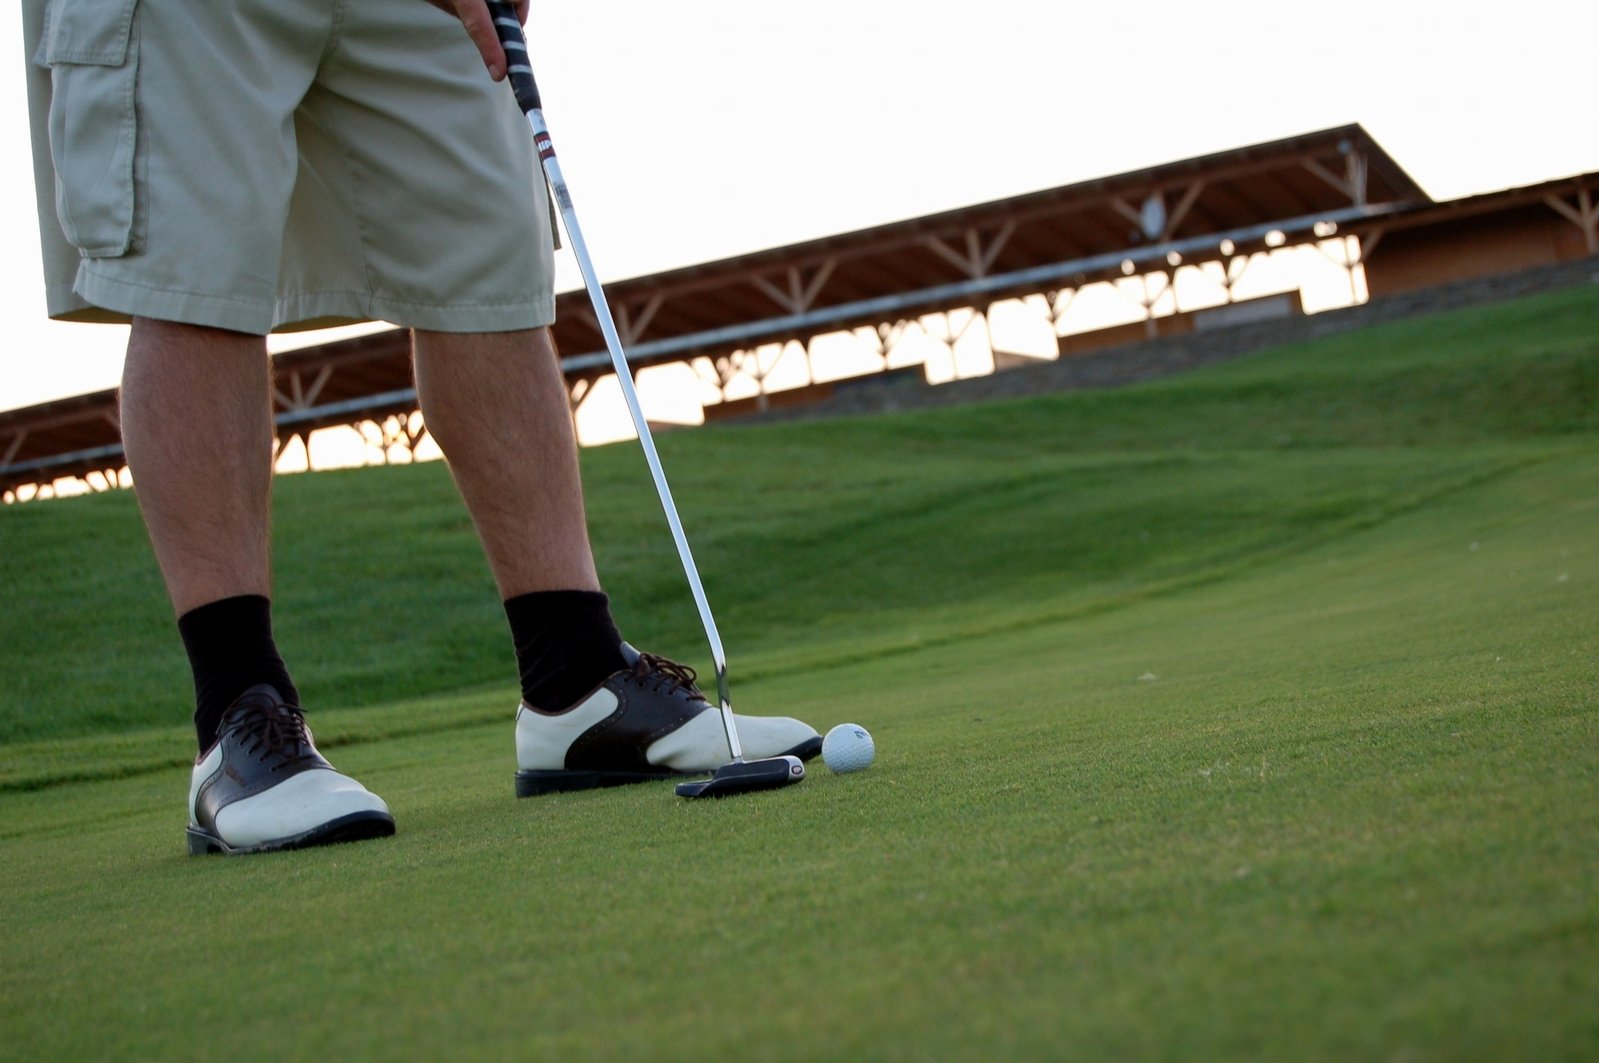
(848,747)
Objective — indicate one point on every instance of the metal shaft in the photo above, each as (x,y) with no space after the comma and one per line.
(520,73)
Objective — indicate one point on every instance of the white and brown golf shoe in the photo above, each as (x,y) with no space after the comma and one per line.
(262,786)
(648,721)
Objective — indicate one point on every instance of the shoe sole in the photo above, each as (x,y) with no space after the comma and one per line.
(358,826)
(532,782)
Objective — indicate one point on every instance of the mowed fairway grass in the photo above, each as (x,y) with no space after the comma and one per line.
(1247,714)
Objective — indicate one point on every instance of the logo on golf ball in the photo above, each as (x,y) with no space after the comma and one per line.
(848,747)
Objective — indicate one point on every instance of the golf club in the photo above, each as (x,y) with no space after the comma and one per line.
(740,776)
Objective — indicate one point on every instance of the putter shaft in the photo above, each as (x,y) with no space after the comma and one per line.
(520,74)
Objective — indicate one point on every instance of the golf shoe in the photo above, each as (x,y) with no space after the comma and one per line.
(648,721)
(263,786)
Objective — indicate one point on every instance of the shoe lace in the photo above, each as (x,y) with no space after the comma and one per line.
(276,731)
(661,673)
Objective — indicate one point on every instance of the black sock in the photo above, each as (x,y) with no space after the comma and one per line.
(566,645)
(231,650)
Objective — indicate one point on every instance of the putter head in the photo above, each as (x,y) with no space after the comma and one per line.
(746,776)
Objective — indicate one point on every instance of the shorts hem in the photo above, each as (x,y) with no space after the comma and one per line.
(64,304)
(163,304)
(99,298)
(351,307)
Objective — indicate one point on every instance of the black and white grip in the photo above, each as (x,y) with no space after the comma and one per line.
(519,68)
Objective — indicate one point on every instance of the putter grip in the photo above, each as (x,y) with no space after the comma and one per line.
(519,68)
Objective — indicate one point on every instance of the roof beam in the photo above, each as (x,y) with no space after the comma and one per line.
(14,446)
(977,259)
(300,396)
(1352,183)
(631,328)
(1168,220)
(1179,213)
(1585,215)
(801,294)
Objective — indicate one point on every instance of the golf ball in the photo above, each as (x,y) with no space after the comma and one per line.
(848,747)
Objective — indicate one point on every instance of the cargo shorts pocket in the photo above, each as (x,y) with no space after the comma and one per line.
(92,50)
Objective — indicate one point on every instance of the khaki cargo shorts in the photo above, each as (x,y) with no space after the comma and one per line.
(279,164)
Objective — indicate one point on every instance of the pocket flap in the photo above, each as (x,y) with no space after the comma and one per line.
(88,32)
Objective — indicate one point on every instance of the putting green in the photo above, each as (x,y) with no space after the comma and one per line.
(1307,770)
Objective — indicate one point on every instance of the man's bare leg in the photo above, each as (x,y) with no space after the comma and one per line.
(496,404)
(197,430)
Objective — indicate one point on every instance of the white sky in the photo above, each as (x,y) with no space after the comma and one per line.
(701,129)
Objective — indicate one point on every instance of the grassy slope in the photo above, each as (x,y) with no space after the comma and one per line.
(1351,815)
(833,539)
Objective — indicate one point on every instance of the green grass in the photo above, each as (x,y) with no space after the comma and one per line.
(1252,713)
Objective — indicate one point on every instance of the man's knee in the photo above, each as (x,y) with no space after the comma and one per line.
(537,339)
(197,335)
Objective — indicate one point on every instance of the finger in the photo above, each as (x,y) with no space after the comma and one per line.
(474,15)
